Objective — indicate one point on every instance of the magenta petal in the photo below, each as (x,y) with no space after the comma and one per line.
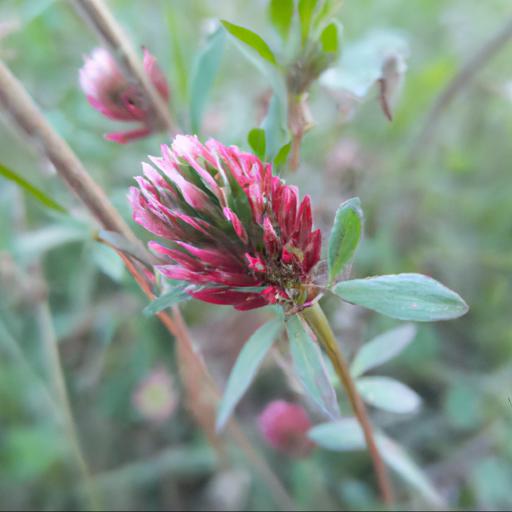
(288,214)
(180,257)
(189,148)
(313,250)
(143,216)
(180,273)
(270,237)
(124,137)
(256,301)
(155,74)
(236,223)
(221,296)
(214,257)
(231,278)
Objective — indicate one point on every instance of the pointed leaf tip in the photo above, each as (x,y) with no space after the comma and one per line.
(251,39)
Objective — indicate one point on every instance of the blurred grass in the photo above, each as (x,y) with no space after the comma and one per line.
(449,215)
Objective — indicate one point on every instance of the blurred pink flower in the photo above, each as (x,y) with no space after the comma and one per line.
(284,426)
(114,96)
(235,233)
(155,397)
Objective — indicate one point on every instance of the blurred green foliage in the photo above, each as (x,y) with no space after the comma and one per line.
(446,212)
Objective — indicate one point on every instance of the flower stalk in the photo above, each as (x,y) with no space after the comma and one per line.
(317,321)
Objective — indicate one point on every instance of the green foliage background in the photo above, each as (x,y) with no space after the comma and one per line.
(445,212)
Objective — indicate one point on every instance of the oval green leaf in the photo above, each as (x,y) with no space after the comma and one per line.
(251,39)
(404,296)
(310,368)
(388,394)
(329,38)
(342,435)
(281,15)
(345,236)
(256,139)
(246,366)
(382,348)
(282,156)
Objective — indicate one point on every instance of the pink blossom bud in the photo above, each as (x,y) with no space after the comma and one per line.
(284,426)
(113,95)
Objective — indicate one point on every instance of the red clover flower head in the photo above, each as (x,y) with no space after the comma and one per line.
(113,95)
(236,234)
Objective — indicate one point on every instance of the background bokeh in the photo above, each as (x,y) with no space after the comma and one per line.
(442,207)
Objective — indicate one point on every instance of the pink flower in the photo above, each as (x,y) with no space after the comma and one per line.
(284,426)
(114,96)
(233,232)
(155,398)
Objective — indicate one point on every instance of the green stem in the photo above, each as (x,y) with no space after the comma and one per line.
(50,345)
(316,319)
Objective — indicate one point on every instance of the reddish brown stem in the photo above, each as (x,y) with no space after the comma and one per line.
(318,322)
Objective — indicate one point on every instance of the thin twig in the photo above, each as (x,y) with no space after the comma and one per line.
(458,83)
(99,17)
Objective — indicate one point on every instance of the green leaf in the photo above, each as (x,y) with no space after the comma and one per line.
(108,261)
(382,348)
(310,369)
(166,300)
(249,360)
(397,458)
(31,189)
(180,66)
(203,76)
(282,155)
(274,124)
(326,11)
(306,10)
(345,236)
(388,394)
(281,15)
(256,140)
(346,435)
(251,39)
(329,38)
(342,435)
(404,296)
